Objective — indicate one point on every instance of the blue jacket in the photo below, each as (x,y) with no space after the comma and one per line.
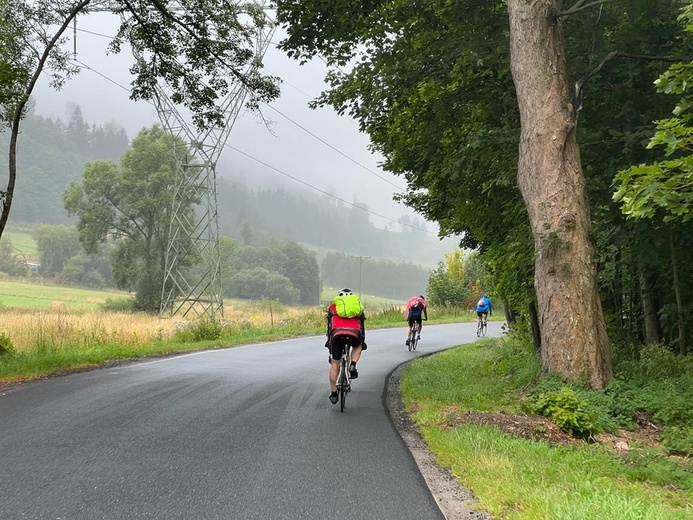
(484,305)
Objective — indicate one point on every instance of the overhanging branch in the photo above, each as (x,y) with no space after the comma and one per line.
(579,84)
(580,5)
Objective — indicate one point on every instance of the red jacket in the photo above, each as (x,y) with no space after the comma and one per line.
(334,322)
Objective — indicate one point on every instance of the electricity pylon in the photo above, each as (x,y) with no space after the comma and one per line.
(199,290)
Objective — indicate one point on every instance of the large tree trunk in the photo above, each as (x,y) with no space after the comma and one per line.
(574,341)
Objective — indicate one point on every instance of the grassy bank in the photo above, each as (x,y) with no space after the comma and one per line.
(43,339)
(519,478)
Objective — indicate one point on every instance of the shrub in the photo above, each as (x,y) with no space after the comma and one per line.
(658,362)
(679,440)
(206,329)
(568,412)
(6,346)
(117,305)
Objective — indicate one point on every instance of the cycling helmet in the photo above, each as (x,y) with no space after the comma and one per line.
(345,292)
(422,296)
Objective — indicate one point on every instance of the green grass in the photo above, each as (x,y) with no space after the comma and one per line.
(23,294)
(520,479)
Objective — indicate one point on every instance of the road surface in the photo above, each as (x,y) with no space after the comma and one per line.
(246,433)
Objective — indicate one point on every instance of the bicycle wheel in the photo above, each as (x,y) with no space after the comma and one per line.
(343,384)
(483,328)
(414,336)
(478,329)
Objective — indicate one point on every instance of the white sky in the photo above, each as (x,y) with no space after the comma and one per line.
(344,167)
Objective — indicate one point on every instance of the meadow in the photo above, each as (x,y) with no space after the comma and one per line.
(49,329)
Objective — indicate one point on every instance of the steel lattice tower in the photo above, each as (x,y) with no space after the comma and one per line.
(199,289)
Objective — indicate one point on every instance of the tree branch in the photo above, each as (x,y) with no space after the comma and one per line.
(577,93)
(580,6)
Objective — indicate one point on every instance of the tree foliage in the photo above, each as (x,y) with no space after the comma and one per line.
(202,50)
(430,83)
(130,205)
(664,188)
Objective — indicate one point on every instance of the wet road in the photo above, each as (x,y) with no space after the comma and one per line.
(243,433)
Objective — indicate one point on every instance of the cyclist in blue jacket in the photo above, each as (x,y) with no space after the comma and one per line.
(484,306)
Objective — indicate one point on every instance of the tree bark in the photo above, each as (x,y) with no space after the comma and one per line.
(534,323)
(683,343)
(574,340)
(649,308)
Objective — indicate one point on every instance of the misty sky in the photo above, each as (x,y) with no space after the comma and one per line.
(344,167)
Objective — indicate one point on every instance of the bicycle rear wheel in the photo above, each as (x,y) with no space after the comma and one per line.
(483,328)
(343,385)
(414,336)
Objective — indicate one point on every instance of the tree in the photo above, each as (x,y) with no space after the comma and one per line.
(395,86)
(257,283)
(573,332)
(301,268)
(200,49)
(130,204)
(56,245)
(10,263)
(664,189)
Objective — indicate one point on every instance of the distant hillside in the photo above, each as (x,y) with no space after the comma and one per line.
(52,154)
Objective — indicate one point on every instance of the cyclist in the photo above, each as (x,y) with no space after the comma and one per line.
(345,316)
(484,307)
(416,306)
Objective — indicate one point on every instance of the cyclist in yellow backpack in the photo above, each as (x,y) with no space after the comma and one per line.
(345,317)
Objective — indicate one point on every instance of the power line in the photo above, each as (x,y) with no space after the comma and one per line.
(366,168)
(324,192)
(273,168)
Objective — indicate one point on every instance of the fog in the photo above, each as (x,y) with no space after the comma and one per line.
(300,148)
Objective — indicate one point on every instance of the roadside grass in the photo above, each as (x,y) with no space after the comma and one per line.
(515,478)
(37,341)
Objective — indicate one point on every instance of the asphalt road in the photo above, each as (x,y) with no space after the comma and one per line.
(241,433)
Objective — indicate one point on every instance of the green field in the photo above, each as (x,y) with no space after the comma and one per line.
(24,294)
(22,242)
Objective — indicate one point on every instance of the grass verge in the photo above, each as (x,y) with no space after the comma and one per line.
(516,478)
(35,344)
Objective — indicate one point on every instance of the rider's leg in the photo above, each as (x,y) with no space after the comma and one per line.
(355,354)
(334,373)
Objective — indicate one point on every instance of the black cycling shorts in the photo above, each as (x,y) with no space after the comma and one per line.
(480,313)
(341,340)
(413,319)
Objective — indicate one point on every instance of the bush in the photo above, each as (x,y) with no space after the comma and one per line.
(6,346)
(117,305)
(206,329)
(658,362)
(568,412)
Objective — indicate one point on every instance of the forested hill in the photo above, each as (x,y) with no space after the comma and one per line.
(323,222)
(52,154)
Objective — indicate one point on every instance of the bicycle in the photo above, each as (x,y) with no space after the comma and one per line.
(344,379)
(413,336)
(481,326)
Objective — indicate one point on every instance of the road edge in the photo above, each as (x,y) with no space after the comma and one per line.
(454,502)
